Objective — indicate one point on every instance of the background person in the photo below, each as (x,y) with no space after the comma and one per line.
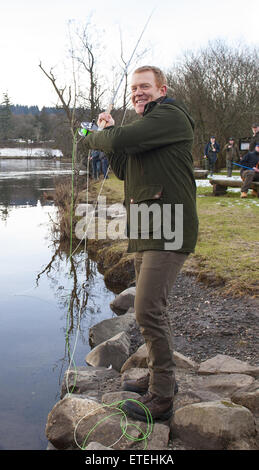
(251,159)
(104,165)
(255,138)
(96,163)
(211,153)
(232,155)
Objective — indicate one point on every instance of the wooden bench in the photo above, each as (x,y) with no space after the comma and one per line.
(220,186)
(200,174)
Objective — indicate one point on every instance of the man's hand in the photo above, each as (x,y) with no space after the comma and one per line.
(256,169)
(105,120)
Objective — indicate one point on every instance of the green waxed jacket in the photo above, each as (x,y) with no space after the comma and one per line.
(153,157)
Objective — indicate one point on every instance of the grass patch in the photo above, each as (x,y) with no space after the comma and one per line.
(228,242)
(112,188)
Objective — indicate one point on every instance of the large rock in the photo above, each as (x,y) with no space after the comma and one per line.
(136,360)
(195,388)
(159,437)
(139,359)
(113,352)
(224,384)
(108,328)
(213,425)
(96,446)
(75,422)
(86,380)
(64,417)
(121,274)
(124,301)
(114,398)
(188,397)
(248,397)
(183,362)
(227,365)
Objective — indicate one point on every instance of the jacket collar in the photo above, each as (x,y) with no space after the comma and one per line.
(162,99)
(167,100)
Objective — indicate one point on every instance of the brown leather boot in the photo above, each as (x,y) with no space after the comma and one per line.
(140,385)
(243,195)
(254,193)
(160,408)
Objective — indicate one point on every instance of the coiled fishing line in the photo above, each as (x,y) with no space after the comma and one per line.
(124,427)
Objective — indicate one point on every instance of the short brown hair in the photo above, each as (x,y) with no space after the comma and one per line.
(160,77)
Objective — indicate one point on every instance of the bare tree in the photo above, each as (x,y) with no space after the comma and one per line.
(64,96)
(86,51)
(219,86)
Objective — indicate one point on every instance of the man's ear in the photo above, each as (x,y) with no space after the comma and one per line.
(163,89)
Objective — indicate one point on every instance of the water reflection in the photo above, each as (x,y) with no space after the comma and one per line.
(23,181)
(48,302)
(74,293)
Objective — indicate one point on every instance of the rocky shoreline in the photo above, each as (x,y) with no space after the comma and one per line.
(216,348)
(217,406)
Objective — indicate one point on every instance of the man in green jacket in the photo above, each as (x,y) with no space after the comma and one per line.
(153,157)
(232,155)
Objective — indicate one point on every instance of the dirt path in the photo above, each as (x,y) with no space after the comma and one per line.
(206,324)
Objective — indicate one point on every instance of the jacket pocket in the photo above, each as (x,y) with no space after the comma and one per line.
(146,193)
(146,212)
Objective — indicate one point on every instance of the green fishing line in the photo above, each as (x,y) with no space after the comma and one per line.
(74,149)
(123,425)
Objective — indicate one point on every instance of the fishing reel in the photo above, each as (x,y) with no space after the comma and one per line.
(87,128)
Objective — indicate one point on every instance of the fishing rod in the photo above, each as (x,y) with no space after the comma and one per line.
(243,166)
(88,127)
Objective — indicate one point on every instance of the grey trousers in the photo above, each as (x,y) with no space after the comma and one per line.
(229,166)
(250,176)
(156,272)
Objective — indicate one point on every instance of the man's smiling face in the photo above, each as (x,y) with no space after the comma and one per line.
(144,89)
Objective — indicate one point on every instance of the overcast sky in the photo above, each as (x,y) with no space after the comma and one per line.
(37,30)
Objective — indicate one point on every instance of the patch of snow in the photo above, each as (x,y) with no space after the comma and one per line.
(206,184)
(30,152)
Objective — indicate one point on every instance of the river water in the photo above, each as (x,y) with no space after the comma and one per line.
(39,332)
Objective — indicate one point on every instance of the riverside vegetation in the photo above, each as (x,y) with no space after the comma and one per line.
(214,308)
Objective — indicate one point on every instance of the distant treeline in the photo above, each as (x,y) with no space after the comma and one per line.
(34,110)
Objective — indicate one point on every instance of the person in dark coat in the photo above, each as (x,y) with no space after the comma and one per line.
(96,163)
(255,138)
(251,160)
(232,155)
(104,164)
(211,153)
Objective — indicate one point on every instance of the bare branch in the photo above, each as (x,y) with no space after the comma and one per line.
(60,92)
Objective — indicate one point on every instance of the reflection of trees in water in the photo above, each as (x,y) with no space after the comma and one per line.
(73,300)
